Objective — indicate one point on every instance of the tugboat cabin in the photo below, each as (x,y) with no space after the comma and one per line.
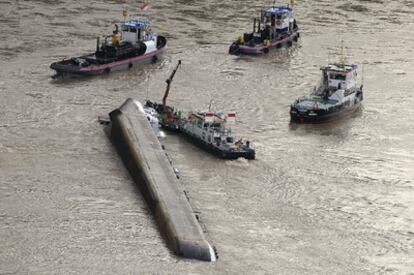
(337,76)
(136,30)
(211,127)
(274,23)
(279,18)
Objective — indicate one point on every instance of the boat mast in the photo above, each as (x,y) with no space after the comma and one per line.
(362,80)
(125,13)
(342,57)
(169,80)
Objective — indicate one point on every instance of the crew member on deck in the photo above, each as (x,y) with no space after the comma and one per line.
(116,36)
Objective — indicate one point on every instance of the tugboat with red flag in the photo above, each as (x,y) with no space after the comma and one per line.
(208,130)
(132,45)
(337,95)
(275,28)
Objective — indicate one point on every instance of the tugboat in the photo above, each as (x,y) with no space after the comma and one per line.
(336,96)
(132,45)
(275,28)
(208,130)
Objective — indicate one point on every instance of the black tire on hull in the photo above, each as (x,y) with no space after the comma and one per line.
(161,41)
(234,49)
(154,59)
(141,49)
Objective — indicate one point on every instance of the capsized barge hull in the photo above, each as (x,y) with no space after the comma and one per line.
(151,169)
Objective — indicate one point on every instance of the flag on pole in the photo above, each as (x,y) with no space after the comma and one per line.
(231,117)
(209,117)
(145,6)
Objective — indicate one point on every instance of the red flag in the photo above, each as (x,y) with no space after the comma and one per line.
(231,117)
(145,6)
(209,117)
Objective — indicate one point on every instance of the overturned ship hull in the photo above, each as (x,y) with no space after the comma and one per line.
(151,170)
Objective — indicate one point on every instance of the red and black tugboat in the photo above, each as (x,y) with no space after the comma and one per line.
(275,28)
(134,44)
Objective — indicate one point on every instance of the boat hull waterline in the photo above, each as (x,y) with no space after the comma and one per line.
(224,154)
(69,70)
(261,49)
(319,118)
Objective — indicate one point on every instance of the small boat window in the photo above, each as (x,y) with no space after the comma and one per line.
(229,139)
(337,76)
(128,29)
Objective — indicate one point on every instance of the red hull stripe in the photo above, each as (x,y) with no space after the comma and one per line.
(259,48)
(119,63)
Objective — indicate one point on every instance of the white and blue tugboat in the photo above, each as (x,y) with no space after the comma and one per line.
(336,96)
(275,28)
(130,46)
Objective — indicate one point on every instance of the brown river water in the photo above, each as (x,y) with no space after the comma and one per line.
(329,199)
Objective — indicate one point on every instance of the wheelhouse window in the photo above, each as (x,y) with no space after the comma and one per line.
(128,29)
(337,76)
